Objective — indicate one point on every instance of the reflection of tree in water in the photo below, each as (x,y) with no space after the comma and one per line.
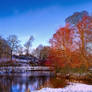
(56,83)
(5,83)
(87,82)
(36,82)
(14,83)
(41,81)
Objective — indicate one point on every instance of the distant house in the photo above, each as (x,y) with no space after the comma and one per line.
(25,59)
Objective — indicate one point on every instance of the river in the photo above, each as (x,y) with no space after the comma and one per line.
(41,82)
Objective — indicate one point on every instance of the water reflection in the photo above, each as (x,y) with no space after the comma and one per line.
(21,83)
(30,82)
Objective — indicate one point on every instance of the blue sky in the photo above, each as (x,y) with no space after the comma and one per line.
(40,18)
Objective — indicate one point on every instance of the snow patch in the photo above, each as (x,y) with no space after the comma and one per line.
(73,87)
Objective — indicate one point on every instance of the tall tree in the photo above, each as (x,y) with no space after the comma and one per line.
(36,52)
(28,45)
(44,53)
(4,48)
(13,42)
(76,17)
(20,50)
(61,45)
(72,44)
(84,28)
(82,23)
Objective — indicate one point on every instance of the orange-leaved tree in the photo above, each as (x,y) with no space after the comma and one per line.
(61,46)
(84,28)
(71,45)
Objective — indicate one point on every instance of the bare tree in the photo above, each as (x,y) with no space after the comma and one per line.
(36,52)
(20,50)
(28,45)
(13,43)
(4,48)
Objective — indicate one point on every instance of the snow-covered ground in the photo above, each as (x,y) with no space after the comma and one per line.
(73,87)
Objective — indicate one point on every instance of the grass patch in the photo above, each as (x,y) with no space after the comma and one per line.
(69,70)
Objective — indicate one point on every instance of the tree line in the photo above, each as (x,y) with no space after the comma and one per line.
(71,45)
(11,46)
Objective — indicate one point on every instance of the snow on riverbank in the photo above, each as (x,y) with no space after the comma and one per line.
(73,87)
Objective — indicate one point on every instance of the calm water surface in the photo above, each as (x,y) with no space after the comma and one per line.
(34,81)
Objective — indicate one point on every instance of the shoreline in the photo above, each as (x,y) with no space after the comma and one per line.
(75,76)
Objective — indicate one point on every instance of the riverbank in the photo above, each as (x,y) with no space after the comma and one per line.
(23,69)
(73,87)
(40,81)
(76,76)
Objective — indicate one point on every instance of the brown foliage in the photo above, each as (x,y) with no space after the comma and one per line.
(69,44)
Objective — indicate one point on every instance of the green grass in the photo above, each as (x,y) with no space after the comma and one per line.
(70,70)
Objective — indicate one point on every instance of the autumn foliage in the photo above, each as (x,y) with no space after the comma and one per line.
(71,45)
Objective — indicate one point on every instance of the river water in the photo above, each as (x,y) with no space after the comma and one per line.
(41,82)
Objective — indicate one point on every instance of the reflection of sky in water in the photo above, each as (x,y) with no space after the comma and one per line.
(15,88)
(22,88)
(21,83)
(73,87)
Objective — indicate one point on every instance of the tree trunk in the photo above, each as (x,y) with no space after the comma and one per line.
(11,55)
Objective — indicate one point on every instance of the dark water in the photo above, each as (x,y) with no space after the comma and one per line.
(35,81)
(23,82)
